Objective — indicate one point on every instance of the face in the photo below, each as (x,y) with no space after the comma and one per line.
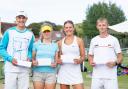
(21,20)
(46,34)
(68,29)
(102,26)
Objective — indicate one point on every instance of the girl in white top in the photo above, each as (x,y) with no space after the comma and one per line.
(70,45)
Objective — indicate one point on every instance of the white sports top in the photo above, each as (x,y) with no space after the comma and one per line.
(72,49)
(70,73)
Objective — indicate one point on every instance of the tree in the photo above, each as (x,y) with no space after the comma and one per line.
(79,31)
(59,27)
(35,27)
(110,11)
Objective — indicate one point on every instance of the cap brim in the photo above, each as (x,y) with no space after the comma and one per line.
(46,30)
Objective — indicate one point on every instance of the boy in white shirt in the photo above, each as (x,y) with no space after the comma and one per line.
(104,55)
(16,45)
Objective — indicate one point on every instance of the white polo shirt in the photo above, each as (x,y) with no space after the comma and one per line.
(104,50)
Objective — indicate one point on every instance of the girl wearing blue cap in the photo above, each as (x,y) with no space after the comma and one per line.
(45,54)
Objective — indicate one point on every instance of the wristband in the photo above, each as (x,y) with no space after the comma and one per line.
(116,63)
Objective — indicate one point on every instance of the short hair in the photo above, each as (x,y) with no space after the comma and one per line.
(102,19)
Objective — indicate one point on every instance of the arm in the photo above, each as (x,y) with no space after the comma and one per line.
(34,51)
(119,58)
(111,64)
(34,62)
(57,53)
(59,61)
(54,64)
(3,48)
(118,53)
(56,59)
(90,59)
(91,54)
(82,51)
(30,49)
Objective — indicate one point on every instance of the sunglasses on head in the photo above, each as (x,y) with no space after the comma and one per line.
(46,31)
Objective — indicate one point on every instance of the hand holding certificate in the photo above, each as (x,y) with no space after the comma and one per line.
(68,58)
(44,61)
(24,63)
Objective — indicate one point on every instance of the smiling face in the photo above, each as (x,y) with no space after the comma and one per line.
(20,21)
(68,29)
(46,34)
(102,26)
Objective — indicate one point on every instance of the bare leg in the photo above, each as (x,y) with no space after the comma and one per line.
(50,86)
(78,86)
(63,86)
(38,85)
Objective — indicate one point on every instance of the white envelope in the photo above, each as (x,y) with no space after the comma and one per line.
(100,63)
(24,63)
(44,61)
(68,58)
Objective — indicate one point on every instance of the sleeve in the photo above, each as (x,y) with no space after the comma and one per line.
(117,46)
(30,48)
(3,47)
(91,48)
(34,47)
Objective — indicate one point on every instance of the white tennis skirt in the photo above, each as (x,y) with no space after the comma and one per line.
(69,74)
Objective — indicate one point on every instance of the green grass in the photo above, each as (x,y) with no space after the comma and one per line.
(1,71)
(123,80)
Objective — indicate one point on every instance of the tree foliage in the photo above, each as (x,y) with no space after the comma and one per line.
(110,11)
(35,27)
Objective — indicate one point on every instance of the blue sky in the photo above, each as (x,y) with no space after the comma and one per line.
(52,10)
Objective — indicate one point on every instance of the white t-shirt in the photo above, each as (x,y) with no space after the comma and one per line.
(104,50)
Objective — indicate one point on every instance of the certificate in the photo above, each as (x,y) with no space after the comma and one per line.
(101,61)
(24,63)
(44,61)
(68,58)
